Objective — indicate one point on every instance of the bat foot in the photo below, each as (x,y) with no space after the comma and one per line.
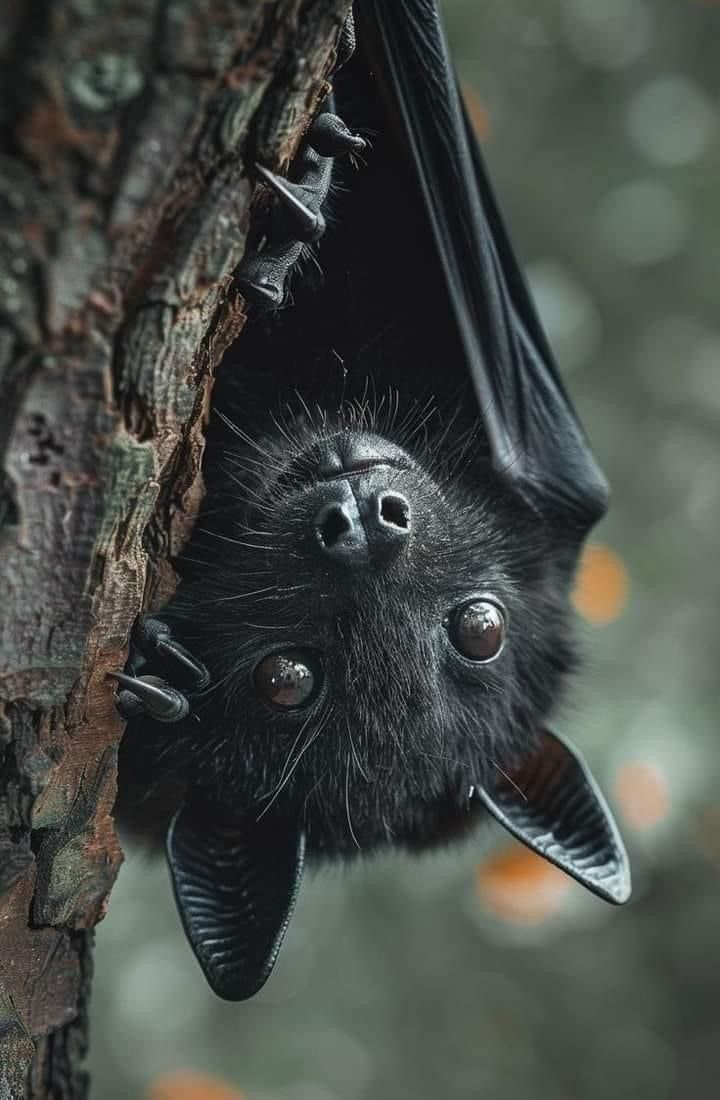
(149,695)
(297,217)
(158,672)
(262,276)
(296,202)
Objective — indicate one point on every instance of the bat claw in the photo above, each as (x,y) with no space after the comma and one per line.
(168,647)
(154,696)
(329,136)
(154,640)
(261,293)
(153,650)
(306,224)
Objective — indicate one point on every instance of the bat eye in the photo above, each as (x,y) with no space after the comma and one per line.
(289,679)
(477,630)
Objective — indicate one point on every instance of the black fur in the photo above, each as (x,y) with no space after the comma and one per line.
(404,726)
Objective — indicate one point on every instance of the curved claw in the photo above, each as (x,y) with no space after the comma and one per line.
(153,641)
(307,225)
(260,292)
(158,699)
(175,652)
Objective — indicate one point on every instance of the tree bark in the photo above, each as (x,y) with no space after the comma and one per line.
(125,131)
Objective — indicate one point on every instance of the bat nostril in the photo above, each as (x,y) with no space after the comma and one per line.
(394,511)
(332,524)
(367,525)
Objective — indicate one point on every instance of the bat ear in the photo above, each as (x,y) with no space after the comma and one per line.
(551,803)
(235,886)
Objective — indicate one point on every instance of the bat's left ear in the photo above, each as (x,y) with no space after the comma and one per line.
(551,803)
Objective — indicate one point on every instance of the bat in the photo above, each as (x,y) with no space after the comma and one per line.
(372,630)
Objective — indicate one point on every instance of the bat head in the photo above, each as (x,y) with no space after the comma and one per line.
(384,629)
(387,631)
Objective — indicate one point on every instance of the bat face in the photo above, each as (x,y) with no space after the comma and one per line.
(383,626)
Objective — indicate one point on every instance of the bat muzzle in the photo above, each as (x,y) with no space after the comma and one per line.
(362,520)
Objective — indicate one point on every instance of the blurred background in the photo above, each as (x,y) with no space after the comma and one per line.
(481,972)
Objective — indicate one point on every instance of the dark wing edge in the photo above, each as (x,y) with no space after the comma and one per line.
(536,440)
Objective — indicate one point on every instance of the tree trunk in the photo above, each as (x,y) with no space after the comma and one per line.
(125,129)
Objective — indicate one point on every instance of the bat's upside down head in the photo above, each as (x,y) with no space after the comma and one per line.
(383,627)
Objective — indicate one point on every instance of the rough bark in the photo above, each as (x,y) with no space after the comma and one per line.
(125,129)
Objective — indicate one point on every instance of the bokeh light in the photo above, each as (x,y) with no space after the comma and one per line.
(642,793)
(518,886)
(570,316)
(185,1085)
(601,586)
(670,120)
(643,222)
(477,113)
(612,34)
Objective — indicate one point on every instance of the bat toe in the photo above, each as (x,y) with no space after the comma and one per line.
(297,215)
(159,671)
(152,696)
(330,137)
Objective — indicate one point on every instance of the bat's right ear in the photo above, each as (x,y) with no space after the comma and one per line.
(551,803)
(235,886)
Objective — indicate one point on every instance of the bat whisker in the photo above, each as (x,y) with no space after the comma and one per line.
(356,758)
(244,436)
(444,757)
(347,804)
(509,779)
(305,407)
(246,595)
(289,775)
(288,758)
(312,790)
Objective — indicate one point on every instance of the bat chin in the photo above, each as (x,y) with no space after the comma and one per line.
(416,826)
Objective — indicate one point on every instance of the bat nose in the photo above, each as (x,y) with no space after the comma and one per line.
(367,524)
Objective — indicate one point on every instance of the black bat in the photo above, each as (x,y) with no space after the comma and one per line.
(373,626)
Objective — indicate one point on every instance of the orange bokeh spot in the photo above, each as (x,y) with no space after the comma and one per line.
(601,586)
(185,1085)
(642,793)
(519,886)
(478,115)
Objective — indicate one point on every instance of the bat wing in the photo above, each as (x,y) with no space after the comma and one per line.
(550,802)
(536,441)
(235,886)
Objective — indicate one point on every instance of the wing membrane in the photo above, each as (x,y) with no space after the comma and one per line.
(536,440)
